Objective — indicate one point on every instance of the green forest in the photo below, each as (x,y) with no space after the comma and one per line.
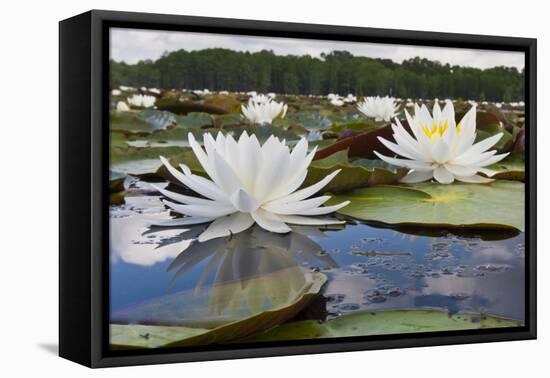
(337,72)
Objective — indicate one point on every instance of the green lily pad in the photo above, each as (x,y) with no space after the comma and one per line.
(383,323)
(143,122)
(176,106)
(360,145)
(353,175)
(194,119)
(136,336)
(505,141)
(229,103)
(127,336)
(353,125)
(227,120)
(491,206)
(511,168)
(185,156)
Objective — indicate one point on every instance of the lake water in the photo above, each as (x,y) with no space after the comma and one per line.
(161,276)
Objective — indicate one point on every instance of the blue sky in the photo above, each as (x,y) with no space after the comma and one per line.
(131,45)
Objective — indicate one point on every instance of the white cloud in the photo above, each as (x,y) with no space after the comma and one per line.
(132,45)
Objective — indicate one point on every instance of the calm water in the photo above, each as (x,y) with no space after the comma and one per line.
(160,276)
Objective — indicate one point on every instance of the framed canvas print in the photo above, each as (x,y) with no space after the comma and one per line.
(233,188)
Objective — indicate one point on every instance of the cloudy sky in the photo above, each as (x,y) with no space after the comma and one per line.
(132,45)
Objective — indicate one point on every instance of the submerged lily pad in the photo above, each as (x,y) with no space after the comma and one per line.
(492,206)
(383,323)
(124,336)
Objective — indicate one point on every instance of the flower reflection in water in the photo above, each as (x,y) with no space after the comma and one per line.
(241,275)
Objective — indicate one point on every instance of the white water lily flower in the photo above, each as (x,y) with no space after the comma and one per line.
(248,183)
(260,98)
(263,112)
(143,101)
(202,92)
(337,102)
(440,148)
(116,92)
(121,106)
(379,108)
(350,98)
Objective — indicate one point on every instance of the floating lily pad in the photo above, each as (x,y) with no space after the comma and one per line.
(360,145)
(505,142)
(143,122)
(229,103)
(353,125)
(185,156)
(176,106)
(137,336)
(152,336)
(194,119)
(227,120)
(116,181)
(383,323)
(353,175)
(500,204)
(511,168)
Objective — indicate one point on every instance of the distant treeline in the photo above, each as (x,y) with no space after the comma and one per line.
(338,72)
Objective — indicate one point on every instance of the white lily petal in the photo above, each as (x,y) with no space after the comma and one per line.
(244,201)
(206,211)
(227,178)
(493,159)
(443,176)
(295,207)
(487,172)
(406,141)
(182,198)
(440,151)
(324,209)
(414,177)
(199,153)
(476,179)
(275,159)
(460,170)
(306,192)
(227,225)
(176,222)
(269,221)
(202,186)
(473,159)
(309,221)
(411,164)
(484,145)
(395,148)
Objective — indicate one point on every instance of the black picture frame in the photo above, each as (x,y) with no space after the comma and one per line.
(83,196)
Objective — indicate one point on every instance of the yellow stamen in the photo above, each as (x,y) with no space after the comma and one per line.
(436,131)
